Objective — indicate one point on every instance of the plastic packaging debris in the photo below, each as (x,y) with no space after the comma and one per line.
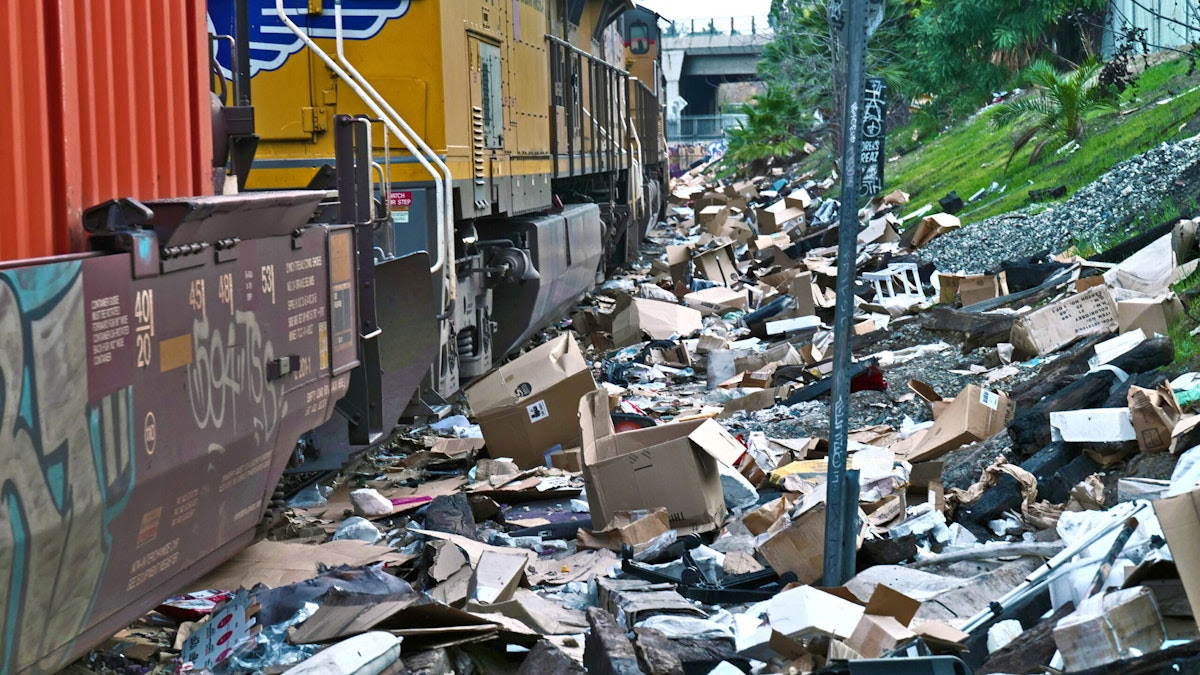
(690,627)
(739,492)
(535,544)
(310,497)
(356,527)
(366,654)
(1002,633)
(368,502)
(271,648)
(1186,475)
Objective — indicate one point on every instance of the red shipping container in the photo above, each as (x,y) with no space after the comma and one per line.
(106,99)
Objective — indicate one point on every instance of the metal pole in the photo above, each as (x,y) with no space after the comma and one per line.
(848,17)
(241,67)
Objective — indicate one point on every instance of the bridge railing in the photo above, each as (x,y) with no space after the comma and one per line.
(726,25)
(694,128)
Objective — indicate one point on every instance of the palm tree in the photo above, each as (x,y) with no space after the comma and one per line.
(1057,110)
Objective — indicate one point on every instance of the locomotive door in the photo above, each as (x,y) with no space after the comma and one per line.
(487,114)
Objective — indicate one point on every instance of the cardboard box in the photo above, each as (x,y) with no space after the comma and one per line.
(670,465)
(1179,517)
(1108,628)
(529,405)
(1050,328)
(796,543)
(884,624)
(934,226)
(798,199)
(979,287)
(975,414)
(638,317)
(773,218)
(718,265)
(1154,414)
(717,300)
(1151,315)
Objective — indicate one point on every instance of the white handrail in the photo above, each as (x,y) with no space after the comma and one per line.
(445,202)
(312,46)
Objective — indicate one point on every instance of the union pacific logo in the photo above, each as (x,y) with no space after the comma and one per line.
(272,43)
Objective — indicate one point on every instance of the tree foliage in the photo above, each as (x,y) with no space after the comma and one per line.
(1057,111)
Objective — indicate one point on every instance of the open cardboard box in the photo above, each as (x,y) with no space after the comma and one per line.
(670,465)
(527,407)
(976,414)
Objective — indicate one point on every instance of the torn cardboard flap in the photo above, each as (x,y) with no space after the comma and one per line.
(934,226)
(718,265)
(633,528)
(497,576)
(1050,328)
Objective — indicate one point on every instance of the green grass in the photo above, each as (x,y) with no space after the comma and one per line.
(1187,346)
(972,155)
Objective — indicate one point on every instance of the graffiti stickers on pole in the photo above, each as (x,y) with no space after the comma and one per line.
(871,153)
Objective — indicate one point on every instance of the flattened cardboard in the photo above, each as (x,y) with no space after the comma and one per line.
(1050,328)
(277,563)
(975,415)
(653,318)
(497,576)
(717,300)
(633,528)
(1150,315)
(528,406)
(1147,271)
(805,293)
(670,465)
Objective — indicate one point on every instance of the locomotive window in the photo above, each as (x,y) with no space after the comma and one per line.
(639,38)
(493,115)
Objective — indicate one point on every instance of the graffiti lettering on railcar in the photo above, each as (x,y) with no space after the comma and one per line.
(228,375)
(66,466)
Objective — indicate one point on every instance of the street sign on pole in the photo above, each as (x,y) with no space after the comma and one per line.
(848,18)
(871,152)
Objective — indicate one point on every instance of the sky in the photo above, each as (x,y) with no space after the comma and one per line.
(689,9)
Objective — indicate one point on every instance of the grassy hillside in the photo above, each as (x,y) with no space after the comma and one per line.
(973,154)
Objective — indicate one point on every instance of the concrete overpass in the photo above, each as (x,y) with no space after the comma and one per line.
(698,64)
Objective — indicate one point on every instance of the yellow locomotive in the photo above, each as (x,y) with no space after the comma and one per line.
(516,146)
